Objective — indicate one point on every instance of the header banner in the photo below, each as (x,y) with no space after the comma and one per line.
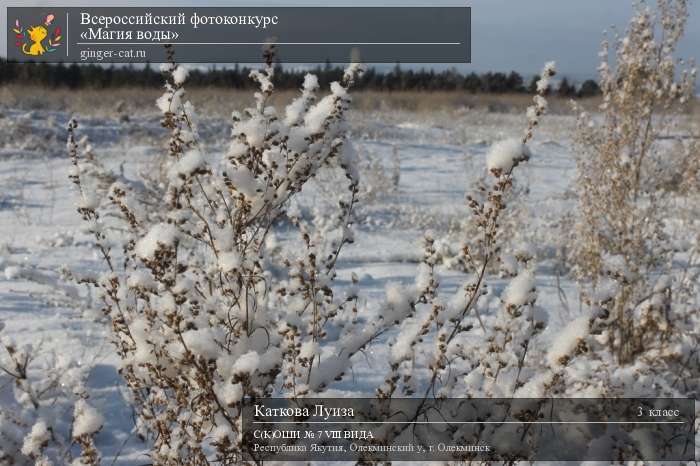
(238,34)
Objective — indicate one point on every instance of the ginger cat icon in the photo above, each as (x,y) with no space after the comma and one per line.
(36,34)
(30,41)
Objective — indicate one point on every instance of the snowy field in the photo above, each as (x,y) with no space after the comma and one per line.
(416,171)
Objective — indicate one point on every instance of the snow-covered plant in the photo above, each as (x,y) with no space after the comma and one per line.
(457,347)
(395,167)
(622,251)
(379,181)
(206,311)
(510,233)
(93,169)
(690,169)
(87,422)
(35,422)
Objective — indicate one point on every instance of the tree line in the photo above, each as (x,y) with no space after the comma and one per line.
(397,79)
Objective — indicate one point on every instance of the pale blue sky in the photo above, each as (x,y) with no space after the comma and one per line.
(506,34)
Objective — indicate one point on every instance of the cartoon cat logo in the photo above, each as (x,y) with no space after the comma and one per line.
(30,40)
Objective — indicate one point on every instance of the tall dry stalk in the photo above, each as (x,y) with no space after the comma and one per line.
(621,250)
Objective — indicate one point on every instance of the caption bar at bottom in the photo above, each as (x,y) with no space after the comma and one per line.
(410,429)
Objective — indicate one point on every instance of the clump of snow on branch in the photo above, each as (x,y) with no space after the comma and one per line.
(567,340)
(520,290)
(162,235)
(87,421)
(180,75)
(506,154)
(36,440)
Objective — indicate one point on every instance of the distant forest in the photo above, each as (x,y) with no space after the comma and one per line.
(397,79)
